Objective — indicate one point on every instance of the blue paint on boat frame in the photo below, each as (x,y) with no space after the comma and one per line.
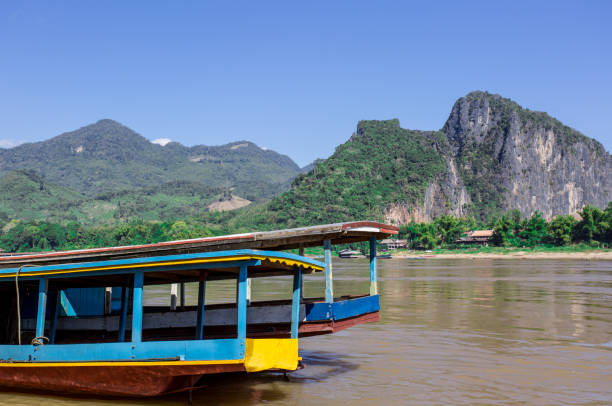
(342,309)
(188,350)
(198,349)
(31,272)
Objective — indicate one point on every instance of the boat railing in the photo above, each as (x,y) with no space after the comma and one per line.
(43,347)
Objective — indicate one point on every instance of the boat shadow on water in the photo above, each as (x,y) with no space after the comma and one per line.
(242,388)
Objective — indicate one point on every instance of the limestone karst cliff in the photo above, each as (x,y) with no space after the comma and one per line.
(502,156)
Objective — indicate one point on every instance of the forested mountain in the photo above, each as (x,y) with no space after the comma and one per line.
(27,196)
(109,157)
(491,156)
(509,157)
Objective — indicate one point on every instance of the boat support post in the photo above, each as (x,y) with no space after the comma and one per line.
(248,292)
(242,303)
(373,270)
(58,306)
(123,316)
(182,286)
(173,294)
(137,307)
(43,285)
(295,303)
(329,286)
(201,303)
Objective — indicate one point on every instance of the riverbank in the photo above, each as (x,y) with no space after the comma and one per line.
(515,253)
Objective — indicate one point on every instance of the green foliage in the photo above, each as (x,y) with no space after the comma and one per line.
(534,230)
(381,164)
(511,230)
(26,196)
(442,232)
(560,229)
(108,157)
(44,236)
(595,224)
(593,228)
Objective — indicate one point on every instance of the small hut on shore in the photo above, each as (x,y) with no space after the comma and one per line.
(476,237)
(390,244)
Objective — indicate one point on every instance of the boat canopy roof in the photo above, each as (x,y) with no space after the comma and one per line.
(338,233)
(169,268)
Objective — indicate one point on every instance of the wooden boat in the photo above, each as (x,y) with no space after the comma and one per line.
(346,253)
(135,350)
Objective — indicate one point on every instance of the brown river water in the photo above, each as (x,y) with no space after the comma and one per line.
(453,332)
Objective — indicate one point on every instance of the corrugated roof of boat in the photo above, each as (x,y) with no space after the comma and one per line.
(338,233)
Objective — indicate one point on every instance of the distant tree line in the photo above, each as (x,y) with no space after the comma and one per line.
(594,227)
(21,236)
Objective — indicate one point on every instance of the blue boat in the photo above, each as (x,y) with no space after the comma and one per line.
(67,331)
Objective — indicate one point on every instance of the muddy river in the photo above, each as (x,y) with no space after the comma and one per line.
(453,332)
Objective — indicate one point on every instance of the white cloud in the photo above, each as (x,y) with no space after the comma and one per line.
(161,141)
(264,148)
(4,143)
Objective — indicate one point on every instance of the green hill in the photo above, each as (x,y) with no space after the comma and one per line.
(27,196)
(109,157)
(381,163)
(491,156)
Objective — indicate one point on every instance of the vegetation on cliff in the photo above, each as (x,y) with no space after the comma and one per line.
(380,164)
(510,157)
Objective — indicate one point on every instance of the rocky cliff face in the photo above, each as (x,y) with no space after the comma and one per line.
(501,156)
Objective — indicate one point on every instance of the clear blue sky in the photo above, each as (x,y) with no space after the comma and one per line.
(295,76)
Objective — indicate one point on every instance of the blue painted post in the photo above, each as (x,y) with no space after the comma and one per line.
(137,308)
(125,296)
(58,306)
(373,271)
(42,307)
(295,303)
(329,282)
(242,303)
(201,305)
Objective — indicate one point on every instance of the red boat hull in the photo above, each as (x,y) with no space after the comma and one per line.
(133,381)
